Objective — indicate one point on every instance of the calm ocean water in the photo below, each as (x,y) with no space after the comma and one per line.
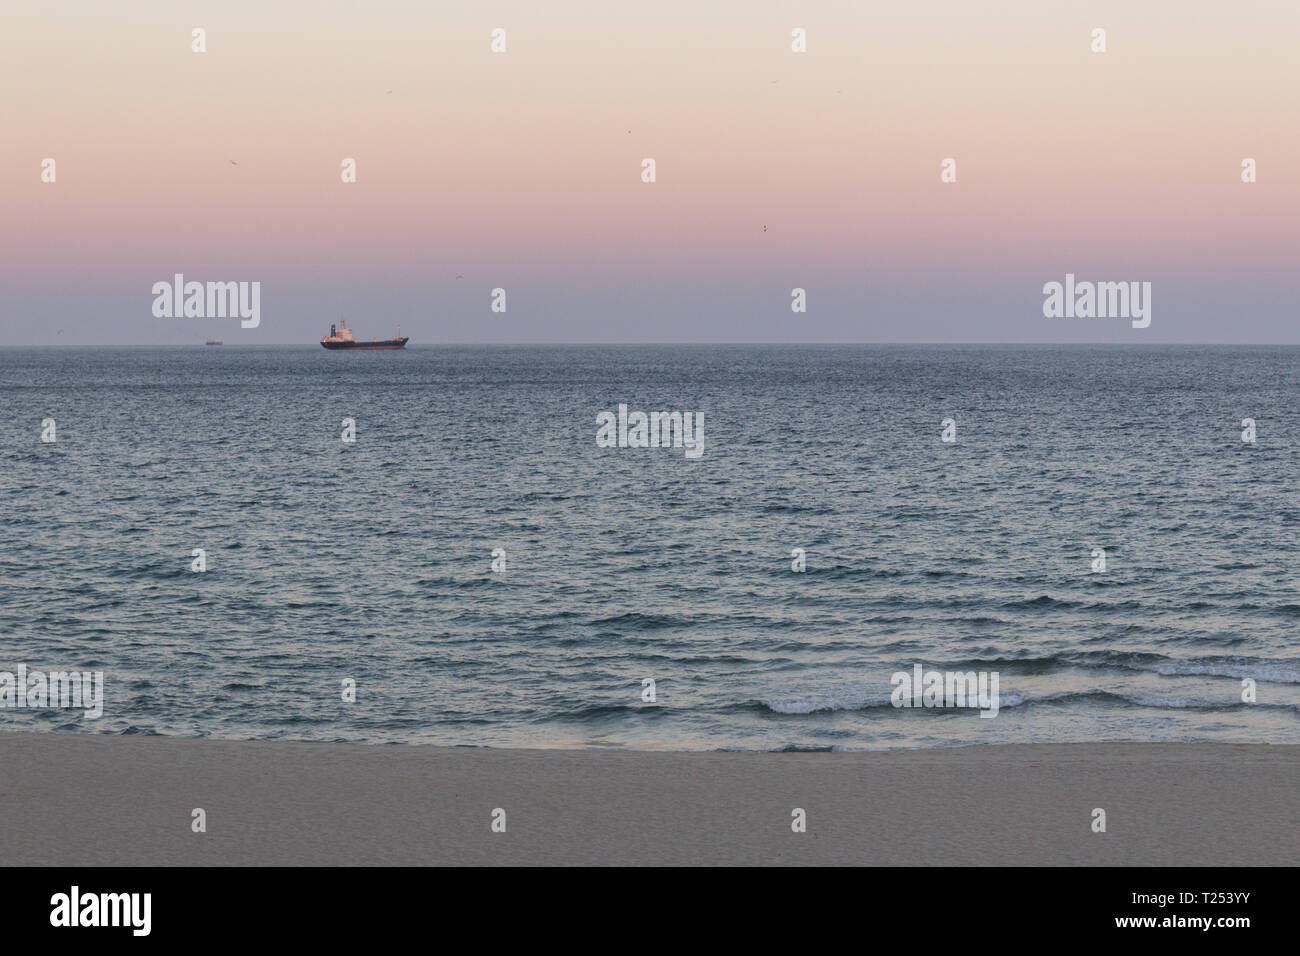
(371,560)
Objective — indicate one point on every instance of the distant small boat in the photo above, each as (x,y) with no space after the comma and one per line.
(213,342)
(341,338)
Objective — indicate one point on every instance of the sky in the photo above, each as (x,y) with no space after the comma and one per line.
(775,170)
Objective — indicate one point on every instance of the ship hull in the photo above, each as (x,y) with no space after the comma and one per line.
(385,345)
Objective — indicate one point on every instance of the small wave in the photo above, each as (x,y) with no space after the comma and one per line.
(1273,672)
(1009,700)
(636,621)
(1042,601)
(1269,673)
(852,573)
(602,711)
(816,703)
(783,509)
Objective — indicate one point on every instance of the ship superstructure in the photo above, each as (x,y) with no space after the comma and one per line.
(341,337)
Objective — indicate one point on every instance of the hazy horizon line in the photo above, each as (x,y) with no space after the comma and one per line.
(768,344)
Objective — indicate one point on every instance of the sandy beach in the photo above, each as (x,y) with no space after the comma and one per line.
(109,800)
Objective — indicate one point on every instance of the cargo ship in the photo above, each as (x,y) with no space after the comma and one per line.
(341,338)
(212,342)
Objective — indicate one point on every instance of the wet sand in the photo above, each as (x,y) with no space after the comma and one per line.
(74,799)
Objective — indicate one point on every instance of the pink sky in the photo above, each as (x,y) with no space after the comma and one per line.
(522,169)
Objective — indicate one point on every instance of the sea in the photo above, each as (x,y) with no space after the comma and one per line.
(474,569)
